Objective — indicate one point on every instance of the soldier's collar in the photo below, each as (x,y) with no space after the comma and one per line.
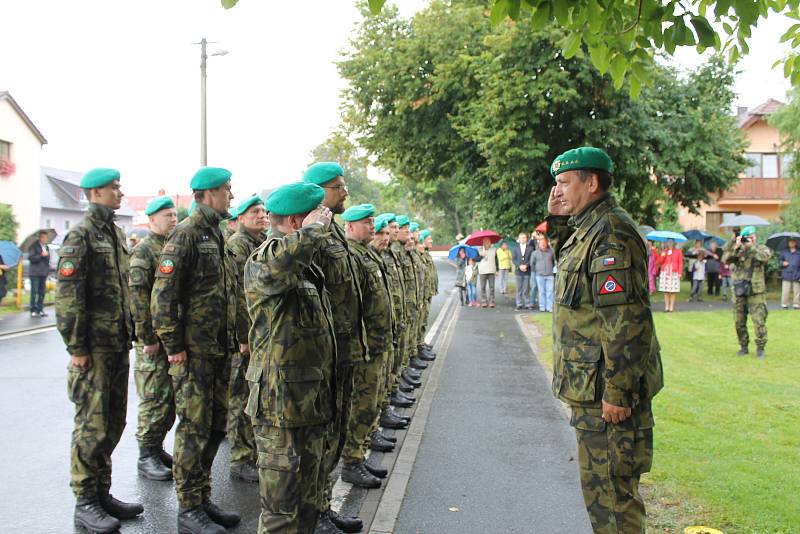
(206,216)
(102,213)
(157,237)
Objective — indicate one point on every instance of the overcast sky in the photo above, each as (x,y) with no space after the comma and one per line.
(116,83)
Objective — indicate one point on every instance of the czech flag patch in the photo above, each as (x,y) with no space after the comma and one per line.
(608,261)
(611,286)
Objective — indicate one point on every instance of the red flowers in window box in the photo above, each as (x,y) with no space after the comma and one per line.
(7,168)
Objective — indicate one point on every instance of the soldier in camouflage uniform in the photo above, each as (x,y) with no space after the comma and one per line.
(431,288)
(292,372)
(369,376)
(194,307)
(252,223)
(606,358)
(342,280)
(748,260)
(93,318)
(416,323)
(150,372)
(410,283)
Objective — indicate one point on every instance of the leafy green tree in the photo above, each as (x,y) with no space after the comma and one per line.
(8,224)
(182,213)
(787,121)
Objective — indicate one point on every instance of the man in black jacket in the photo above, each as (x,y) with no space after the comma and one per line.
(520,257)
(39,258)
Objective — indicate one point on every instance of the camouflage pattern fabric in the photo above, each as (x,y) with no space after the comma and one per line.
(605,349)
(240,428)
(749,264)
(100,395)
(194,309)
(292,376)
(756,307)
(150,372)
(291,477)
(412,303)
(201,401)
(431,289)
(391,259)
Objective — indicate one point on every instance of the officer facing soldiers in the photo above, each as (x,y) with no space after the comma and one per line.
(368,376)
(150,372)
(607,363)
(748,260)
(252,219)
(93,318)
(344,287)
(292,370)
(194,314)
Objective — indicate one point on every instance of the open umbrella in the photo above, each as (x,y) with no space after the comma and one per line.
(645,229)
(34,237)
(10,253)
(471,252)
(777,241)
(663,235)
(744,220)
(476,238)
(694,235)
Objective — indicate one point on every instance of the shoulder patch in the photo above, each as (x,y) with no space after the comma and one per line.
(66,269)
(610,285)
(166,266)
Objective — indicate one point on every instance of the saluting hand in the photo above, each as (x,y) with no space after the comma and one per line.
(321,215)
(554,205)
(615,414)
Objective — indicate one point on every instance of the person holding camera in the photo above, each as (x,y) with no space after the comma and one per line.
(748,263)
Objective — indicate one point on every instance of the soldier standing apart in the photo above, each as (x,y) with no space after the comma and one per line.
(151,370)
(252,222)
(368,376)
(92,315)
(194,314)
(292,400)
(344,287)
(607,362)
(748,261)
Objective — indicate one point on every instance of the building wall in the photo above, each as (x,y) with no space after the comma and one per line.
(64,220)
(762,137)
(22,189)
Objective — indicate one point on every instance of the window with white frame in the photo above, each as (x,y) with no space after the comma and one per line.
(5,150)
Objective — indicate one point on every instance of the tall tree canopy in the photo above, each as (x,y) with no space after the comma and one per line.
(787,120)
(469,116)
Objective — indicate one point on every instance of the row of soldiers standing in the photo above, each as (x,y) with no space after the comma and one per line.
(296,343)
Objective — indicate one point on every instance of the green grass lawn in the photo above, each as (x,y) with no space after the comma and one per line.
(727,440)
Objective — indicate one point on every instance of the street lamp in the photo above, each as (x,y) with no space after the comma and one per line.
(203,132)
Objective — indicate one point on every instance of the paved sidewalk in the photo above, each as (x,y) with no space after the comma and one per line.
(12,323)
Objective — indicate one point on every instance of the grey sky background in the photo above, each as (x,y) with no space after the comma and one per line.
(116,83)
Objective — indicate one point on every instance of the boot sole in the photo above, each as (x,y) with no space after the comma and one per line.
(80,524)
(362,485)
(164,478)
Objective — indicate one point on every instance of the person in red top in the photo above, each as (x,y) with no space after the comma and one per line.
(670,267)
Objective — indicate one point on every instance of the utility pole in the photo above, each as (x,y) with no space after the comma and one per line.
(203,125)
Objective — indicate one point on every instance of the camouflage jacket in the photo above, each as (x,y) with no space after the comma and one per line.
(144,262)
(344,286)
(376,298)
(242,244)
(422,276)
(194,295)
(409,279)
(742,261)
(604,339)
(394,276)
(431,276)
(292,368)
(92,299)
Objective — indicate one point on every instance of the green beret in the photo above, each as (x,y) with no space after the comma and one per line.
(402,220)
(322,172)
(423,235)
(294,199)
(232,213)
(99,178)
(209,178)
(380,222)
(356,213)
(246,204)
(390,217)
(747,230)
(158,204)
(586,157)
(414,226)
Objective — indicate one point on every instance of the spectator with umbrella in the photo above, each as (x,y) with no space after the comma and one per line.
(790,262)
(39,258)
(487,267)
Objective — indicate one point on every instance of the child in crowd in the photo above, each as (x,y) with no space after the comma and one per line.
(471,275)
(698,276)
(725,280)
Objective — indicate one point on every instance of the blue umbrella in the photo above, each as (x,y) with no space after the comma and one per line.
(694,235)
(663,235)
(471,252)
(10,253)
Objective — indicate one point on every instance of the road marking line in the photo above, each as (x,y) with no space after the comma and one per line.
(392,499)
(27,332)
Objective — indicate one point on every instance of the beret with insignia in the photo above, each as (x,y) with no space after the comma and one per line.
(209,178)
(402,220)
(586,157)
(322,172)
(99,177)
(294,199)
(356,213)
(158,204)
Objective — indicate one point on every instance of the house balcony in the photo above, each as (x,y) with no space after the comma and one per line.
(757,189)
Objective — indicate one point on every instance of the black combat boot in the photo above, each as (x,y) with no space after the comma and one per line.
(743,351)
(326,526)
(379,472)
(396,400)
(397,415)
(387,421)
(226,518)
(166,457)
(428,346)
(413,373)
(416,363)
(390,439)
(760,354)
(246,471)
(380,445)
(406,396)
(425,356)
(91,516)
(119,509)
(358,475)
(151,466)
(416,382)
(344,523)
(196,521)
(404,386)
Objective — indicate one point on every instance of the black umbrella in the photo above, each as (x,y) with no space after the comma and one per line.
(780,240)
(34,237)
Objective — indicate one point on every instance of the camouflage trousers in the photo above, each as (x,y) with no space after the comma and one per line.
(100,395)
(201,402)
(756,307)
(412,328)
(337,430)
(291,477)
(156,398)
(390,378)
(423,324)
(611,459)
(240,428)
(368,386)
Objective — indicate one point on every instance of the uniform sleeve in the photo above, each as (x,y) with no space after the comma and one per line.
(283,260)
(165,300)
(71,316)
(618,271)
(728,254)
(239,251)
(557,232)
(142,272)
(763,254)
